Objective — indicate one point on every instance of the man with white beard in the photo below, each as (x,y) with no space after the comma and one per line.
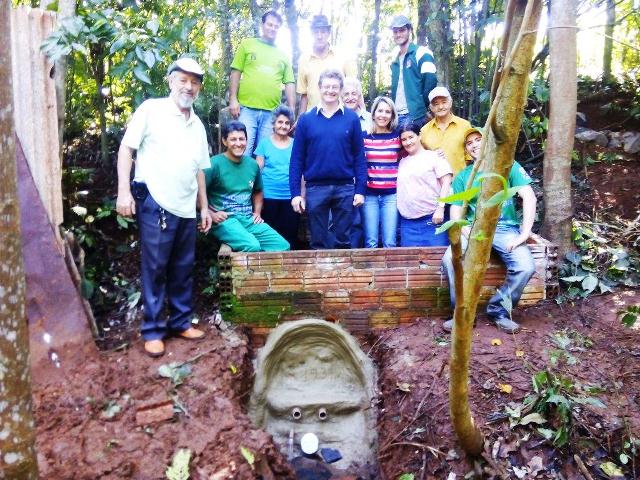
(172,150)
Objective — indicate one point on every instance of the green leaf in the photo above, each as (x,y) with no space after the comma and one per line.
(450,223)
(153,25)
(122,221)
(574,258)
(461,196)
(624,458)
(558,399)
(407,476)
(611,470)
(248,456)
(149,58)
(141,75)
(589,283)
(502,196)
(573,279)
(480,236)
(595,402)
(175,371)
(546,432)
(532,418)
(118,45)
(179,469)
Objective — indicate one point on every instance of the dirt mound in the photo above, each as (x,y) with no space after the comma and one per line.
(415,429)
(87,429)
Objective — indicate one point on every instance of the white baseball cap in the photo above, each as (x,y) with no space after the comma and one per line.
(439,92)
(188,65)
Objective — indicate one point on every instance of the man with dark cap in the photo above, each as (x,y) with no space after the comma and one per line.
(321,58)
(172,150)
(413,73)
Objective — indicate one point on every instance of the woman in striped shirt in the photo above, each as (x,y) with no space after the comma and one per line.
(382,148)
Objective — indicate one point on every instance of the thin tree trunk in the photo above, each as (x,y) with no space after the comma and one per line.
(225,42)
(562,122)
(373,48)
(17,437)
(608,41)
(423,15)
(291,12)
(499,143)
(256,17)
(474,105)
(66,9)
(440,38)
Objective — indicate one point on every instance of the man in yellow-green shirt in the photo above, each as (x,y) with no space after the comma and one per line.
(258,71)
(445,131)
(321,58)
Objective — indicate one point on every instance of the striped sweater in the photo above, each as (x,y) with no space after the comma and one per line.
(382,151)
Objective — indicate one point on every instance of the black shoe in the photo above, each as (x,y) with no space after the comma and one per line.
(505,324)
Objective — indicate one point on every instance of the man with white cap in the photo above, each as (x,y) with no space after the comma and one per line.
(413,73)
(172,150)
(445,131)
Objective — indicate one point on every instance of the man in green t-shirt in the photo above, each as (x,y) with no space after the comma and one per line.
(509,240)
(234,192)
(258,71)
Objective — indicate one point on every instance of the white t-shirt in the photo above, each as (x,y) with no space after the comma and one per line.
(419,183)
(401,98)
(171,150)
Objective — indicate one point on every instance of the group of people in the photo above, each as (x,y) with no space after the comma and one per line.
(357,175)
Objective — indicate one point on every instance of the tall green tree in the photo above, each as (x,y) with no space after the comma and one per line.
(608,41)
(496,157)
(17,433)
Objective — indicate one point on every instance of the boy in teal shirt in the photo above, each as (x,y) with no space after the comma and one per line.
(234,192)
(509,240)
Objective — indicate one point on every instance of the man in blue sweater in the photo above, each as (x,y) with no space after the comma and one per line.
(328,151)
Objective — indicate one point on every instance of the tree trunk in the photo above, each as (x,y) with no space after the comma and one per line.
(423,15)
(373,48)
(474,103)
(225,41)
(608,41)
(291,12)
(256,17)
(562,123)
(440,38)
(17,437)
(499,143)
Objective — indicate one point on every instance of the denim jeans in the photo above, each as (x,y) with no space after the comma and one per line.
(421,232)
(337,199)
(259,125)
(405,117)
(380,210)
(519,264)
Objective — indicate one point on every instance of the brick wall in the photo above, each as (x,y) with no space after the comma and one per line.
(361,288)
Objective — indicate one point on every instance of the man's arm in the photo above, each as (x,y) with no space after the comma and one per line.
(234,84)
(203,203)
(290,93)
(359,163)
(257,198)
(303,104)
(528,216)
(125,203)
(296,167)
(425,59)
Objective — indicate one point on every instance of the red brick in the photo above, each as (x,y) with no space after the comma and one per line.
(395,298)
(410,316)
(368,258)
(336,300)
(154,413)
(363,299)
(355,279)
(418,277)
(390,278)
(320,280)
(286,281)
(383,319)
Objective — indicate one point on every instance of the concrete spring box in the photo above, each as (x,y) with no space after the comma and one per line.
(360,288)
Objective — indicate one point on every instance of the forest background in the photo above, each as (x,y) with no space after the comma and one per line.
(117,51)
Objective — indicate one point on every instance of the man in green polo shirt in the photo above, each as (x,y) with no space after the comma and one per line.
(258,71)
(509,241)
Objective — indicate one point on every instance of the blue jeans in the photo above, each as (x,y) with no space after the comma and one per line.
(380,210)
(520,267)
(406,117)
(259,125)
(421,232)
(337,199)
(167,257)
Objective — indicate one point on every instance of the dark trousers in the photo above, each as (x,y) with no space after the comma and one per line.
(167,265)
(337,199)
(280,216)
